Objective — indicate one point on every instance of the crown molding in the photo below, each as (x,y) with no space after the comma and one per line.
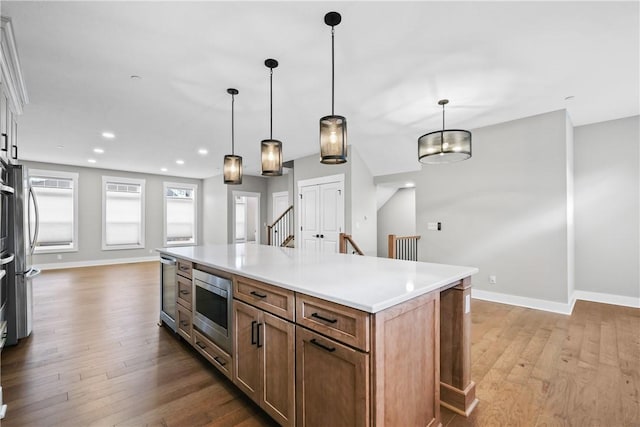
(10,68)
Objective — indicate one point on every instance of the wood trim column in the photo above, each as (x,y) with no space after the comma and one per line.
(457,391)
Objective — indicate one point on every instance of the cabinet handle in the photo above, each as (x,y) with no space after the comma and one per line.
(317,235)
(322,236)
(258,329)
(199,344)
(322,346)
(326,319)
(256,294)
(253,336)
(14,152)
(184,267)
(219,361)
(184,323)
(5,147)
(183,292)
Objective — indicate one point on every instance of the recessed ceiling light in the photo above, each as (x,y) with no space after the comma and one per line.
(98,150)
(91,160)
(409,184)
(203,151)
(163,169)
(60,146)
(569,98)
(135,77)
(180,162)
(108,135)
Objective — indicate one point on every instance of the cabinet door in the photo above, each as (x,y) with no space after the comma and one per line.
(278,377)
(332,382)
(246,354)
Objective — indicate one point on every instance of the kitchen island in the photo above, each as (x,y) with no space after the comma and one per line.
(335,339)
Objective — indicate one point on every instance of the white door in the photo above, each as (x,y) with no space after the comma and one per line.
(321,213)
(280,204)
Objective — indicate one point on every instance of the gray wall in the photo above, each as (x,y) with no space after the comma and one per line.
(215,219)
(607,207)
(397,216)
(90,214)
(504,210)
(277,184)
(363,205)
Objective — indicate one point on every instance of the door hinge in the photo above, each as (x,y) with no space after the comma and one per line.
(301,195)
(300,228)
(340,192)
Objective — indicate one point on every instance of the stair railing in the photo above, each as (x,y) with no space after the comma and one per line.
(347,245)
(281,231)
(403,247)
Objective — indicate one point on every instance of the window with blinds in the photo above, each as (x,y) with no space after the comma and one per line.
(180,214)
(123,213)
(55,194)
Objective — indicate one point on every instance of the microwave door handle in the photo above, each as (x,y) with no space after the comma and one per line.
(33,243)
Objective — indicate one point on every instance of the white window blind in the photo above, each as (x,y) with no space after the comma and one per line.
(55,195)
(180,214)
(123,213)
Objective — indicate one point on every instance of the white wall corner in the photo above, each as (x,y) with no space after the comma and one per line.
(622,300)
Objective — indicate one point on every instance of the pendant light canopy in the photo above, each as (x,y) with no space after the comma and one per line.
(271,149)
(333,129)
(446,145)
(232,169)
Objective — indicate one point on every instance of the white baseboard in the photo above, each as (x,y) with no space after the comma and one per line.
(607,298)
(96,262)
(553,306)
(538,304)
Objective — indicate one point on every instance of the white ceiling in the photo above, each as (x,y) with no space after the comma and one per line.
(495,61)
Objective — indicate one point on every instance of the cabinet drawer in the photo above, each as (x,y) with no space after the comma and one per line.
(185,289)
(342,323)
(214,354)
(184,268)
(183,322)
(272,299)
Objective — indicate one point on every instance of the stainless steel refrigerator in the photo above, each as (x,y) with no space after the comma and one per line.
(24,221)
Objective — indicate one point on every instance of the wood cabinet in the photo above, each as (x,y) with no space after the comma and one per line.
(184,293)
(270,298)
(332,381)
(183,323)
(263,356)
(214,354)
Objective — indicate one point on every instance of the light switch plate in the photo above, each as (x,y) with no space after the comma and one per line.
(432,226)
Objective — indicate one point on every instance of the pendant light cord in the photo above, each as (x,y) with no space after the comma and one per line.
(232,134)
(332,71)
(271,104)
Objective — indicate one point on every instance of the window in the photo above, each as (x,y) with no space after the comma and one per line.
(122,213)
(180,207)
(56,199)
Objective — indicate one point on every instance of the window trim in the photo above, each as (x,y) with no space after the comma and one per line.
(194,188)
(122,180)
(41,173)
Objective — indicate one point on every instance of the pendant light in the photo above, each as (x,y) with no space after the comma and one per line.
(333,129)
(271,149)
(446,145)
(232,169)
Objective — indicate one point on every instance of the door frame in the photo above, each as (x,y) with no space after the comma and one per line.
(235,194)
(273,202)
(318,181)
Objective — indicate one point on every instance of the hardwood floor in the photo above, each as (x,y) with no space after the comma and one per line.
(97,357)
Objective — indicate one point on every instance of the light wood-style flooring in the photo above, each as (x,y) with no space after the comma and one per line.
(97,357)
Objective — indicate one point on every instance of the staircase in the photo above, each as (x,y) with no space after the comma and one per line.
(348,246)
(280,233)
(403,247)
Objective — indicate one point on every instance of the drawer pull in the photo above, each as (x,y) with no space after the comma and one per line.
(256,294)
(322,346)
(184,268)
(199,344)
(5,147)
(326,319)
(183,292)
(219,361)
(184,323)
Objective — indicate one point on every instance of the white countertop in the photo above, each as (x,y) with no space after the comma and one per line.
(366,283)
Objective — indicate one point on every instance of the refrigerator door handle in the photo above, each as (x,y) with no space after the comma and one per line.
(7,260)
(32,243)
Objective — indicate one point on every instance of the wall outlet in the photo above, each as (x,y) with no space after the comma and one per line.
(432,226)
(59,256)
(493,280)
